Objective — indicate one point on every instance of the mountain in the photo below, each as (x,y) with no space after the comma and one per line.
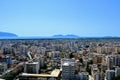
(65,36)
(7,34)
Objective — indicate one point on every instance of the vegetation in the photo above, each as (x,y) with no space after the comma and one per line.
(117,77)
(90,62)
(118,52)
(88,69)
(81,60)
(45,66)
(71,55)
(11,76)
(99,67)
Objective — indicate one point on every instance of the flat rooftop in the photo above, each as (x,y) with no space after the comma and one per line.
(35,75)
(31,63)
(54,73)
(2,79)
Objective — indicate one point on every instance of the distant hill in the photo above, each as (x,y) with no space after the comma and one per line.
(7,34)
(65,36)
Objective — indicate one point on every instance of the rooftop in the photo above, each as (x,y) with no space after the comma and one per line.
(31,62)
(54,73)
(2,79)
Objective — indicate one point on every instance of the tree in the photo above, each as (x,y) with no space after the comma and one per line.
(118,52)
(91,62)
(71,55)
(117,77)
(81,60)
(45,66)
(88,69)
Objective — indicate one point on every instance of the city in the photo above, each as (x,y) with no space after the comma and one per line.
(59,39)
(60,59)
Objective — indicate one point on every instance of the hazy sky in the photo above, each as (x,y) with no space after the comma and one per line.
(49,17)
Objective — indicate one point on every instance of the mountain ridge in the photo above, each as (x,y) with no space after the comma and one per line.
(7,34)
(65,36)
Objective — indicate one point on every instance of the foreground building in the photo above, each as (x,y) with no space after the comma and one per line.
(55,75)
(31,67)
(68,69)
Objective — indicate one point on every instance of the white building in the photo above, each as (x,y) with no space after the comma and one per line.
(68,69)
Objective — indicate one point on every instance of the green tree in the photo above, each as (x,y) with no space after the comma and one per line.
(71,55)
(117,77)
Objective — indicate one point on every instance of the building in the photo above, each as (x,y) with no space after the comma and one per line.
(82,76)
(117,60)
(6,59)
(110,62)
(42,62)
(94,69)
(55,54)
(99,76)
(68,69)
(110,74)
(117,71)
(55,75)
(31,67)
(97,58)
(3,67)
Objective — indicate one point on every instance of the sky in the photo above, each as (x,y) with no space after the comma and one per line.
(89,18)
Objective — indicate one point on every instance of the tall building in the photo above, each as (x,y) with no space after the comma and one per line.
(31,67)
(117,60)
(42,61)
(68,69)
(110,74)
(113,60)
(110,62)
